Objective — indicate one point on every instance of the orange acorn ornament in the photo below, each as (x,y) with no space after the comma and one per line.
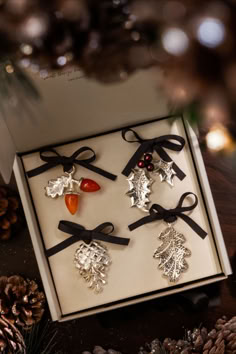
(68,186)
(72,201)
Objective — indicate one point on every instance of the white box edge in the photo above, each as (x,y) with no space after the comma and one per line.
(45,274)
(208,197)
(143,298)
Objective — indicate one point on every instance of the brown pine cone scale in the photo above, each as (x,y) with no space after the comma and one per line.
(11,340)
(220,340)
(10,213)
(20,301)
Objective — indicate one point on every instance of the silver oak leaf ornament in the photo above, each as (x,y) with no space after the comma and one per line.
(58,187)
(92,260)
(139,184)
(172,253)
(165,171)
(55,187)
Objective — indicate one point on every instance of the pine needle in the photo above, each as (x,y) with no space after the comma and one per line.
(36,339)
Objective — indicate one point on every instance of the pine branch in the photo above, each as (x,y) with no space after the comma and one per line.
(41,339)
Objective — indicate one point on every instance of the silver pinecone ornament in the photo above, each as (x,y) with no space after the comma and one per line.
(172,253)
(93,261)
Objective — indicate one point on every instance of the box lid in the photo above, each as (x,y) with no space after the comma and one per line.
(66,106)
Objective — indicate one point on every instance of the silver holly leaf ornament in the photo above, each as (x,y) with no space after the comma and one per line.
(139,183)
(165,170)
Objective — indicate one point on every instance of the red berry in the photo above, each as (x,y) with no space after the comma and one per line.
(141,164)
(148,157)
(150,167)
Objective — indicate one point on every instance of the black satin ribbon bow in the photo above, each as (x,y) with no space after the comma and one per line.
(79,233)
(157,212)
(68,161)
(158,144)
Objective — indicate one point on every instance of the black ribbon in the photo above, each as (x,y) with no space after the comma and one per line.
(157,212)
(68,161)
(79,233)
(158,144)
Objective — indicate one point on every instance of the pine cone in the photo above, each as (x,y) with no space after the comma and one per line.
(11,340)
(220,340)
(155,347)
(226,332)
(196,341)
(20,301)
(10,213)
(99,350)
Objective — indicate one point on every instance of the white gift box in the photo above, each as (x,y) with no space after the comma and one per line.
(74,112)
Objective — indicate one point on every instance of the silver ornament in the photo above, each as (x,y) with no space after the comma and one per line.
(62,185)
(164,170)
(139,183)
(172,253)
(93,261)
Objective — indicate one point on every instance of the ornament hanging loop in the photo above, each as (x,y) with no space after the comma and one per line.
(71,171)
(171,224)
(71,180)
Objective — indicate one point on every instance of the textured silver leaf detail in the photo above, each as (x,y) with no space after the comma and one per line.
(139,184)
(57,187)
(93,261)
(164,170)
(172,253)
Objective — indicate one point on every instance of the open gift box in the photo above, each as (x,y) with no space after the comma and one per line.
(84,113)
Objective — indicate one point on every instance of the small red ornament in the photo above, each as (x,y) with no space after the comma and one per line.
(148,157)
(88,185)
(141,164)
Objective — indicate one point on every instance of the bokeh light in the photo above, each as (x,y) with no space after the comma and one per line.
(175,41)
(211,32)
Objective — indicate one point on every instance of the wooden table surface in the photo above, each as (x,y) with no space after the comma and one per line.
(129,328)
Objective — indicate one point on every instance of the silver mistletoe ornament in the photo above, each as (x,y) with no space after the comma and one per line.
(172,253)
(92,260)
